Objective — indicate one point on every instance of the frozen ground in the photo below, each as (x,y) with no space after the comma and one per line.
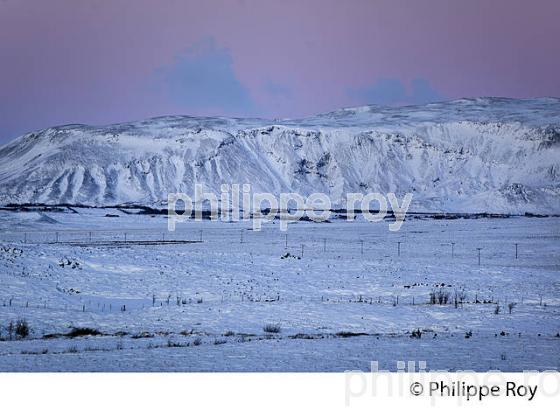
(194,305)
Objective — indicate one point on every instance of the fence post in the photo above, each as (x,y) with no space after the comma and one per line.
(362,246)
(286,242)
(302,246)
(399,248)
(452,249)
(516,250)
(478,249)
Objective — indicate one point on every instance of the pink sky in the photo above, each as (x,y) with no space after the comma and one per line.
(67,61)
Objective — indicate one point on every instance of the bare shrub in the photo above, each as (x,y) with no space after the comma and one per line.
(416,334)
(440,297)
(433,299)
(272,328)
(462,296)
(83,331)
(511,306)
(22,328)
(171,343)
(10,329)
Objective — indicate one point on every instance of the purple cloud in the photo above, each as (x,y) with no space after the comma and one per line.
(203,78)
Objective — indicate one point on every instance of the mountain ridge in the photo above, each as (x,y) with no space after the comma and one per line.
(468,155)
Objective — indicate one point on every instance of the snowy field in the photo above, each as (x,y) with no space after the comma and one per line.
(104,293)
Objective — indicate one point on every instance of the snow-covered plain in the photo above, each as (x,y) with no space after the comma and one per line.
(202,304)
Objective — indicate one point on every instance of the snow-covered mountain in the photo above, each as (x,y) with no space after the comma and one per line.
(468,155)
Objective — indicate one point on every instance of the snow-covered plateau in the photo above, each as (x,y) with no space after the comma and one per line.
(470,155)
